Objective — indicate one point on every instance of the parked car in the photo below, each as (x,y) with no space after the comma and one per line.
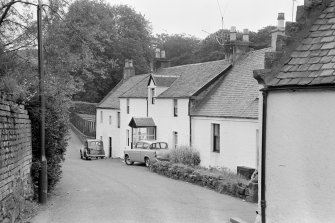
(146,152)
(93,148)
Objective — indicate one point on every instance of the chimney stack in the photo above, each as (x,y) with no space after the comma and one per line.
(157,53)
(128,70)
(232,33)
(277,35)
(160,60)
(245,35)
(281,21)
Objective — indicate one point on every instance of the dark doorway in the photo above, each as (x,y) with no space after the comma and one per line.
(110,147)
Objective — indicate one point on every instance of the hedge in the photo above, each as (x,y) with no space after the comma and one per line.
(224,182)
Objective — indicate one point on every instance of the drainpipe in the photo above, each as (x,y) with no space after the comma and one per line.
(190,120)
(263,160)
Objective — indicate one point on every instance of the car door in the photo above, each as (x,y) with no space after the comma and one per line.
(149,152)
(144,151)
(134,154)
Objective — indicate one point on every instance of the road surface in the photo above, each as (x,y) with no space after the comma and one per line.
(109,191)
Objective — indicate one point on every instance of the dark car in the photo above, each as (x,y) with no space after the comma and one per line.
(93,148)
(146,152)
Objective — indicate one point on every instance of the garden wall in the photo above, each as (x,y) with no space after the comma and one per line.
(15,159)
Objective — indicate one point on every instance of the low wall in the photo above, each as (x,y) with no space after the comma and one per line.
(15,159)
(82,137)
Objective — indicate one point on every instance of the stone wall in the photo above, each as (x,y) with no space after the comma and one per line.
(15,159)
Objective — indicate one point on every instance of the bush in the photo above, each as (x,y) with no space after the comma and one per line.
(184,155)
(56,136)
(221,180)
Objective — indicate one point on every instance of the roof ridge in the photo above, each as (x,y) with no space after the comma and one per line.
(192,64)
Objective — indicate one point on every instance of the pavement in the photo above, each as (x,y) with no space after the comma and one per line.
(109,191)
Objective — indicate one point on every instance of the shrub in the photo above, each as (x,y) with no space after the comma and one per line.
(185,155)
(56,136)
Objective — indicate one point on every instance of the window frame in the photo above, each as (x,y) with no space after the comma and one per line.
(128,137)
(118,119)
(175,139)
(175,107)
(110,120)
(215,138)
(128,107)
(152,93)
(101,117)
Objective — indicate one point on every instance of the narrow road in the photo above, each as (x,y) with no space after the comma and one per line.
(109,191)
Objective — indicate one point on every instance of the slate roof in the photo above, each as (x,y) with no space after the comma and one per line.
(141,122)
(111,100)
(140,90)
(164,81)
(313,62)
(235,94)
(191,78)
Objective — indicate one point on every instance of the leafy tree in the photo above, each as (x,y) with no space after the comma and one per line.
(99,37)
(262,38)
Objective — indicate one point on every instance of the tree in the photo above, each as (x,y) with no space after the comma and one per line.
(98,38)
(262,38)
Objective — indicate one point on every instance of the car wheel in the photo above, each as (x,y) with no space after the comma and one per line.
(85,156)
(81,155)
(147,162)
(127,160)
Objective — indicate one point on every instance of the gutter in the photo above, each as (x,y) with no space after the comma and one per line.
(263,160)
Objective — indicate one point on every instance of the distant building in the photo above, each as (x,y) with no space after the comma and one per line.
(297,174)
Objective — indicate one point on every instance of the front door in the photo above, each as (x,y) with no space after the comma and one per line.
(110,147)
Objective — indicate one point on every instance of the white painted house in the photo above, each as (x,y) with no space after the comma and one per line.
(108,117)
(225,125)
(211,106)
(158,107)
(297,174)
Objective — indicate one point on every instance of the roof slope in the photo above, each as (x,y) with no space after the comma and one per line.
(164,81)
(140,90)
(236,94)
(313,62)
(192,77)
(111,100)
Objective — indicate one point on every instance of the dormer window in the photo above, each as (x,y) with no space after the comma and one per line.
(152,95)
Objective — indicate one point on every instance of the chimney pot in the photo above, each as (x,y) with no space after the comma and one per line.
(281,21)
(245,35)
(158,53)
(233,33)
(130,62)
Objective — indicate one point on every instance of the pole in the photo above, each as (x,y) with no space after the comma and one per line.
(43,184)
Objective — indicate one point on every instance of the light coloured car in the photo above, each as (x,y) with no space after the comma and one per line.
(146,152)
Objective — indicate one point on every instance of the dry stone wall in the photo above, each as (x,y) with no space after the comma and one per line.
(15,159)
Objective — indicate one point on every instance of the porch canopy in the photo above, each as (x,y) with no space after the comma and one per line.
(142,122)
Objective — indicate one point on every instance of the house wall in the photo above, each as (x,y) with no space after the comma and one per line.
(163,116)
(137,108)
(238,142)
(105,129)
(300,156)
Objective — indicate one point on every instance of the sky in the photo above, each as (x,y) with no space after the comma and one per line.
(201,17)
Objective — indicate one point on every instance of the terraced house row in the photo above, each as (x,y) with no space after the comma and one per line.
(211,106)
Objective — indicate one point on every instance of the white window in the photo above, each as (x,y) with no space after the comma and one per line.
(175,139)
(175,107)
(101,117)
(216,137)
(153,95)
(127,105)
(110,119)
(118,120)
